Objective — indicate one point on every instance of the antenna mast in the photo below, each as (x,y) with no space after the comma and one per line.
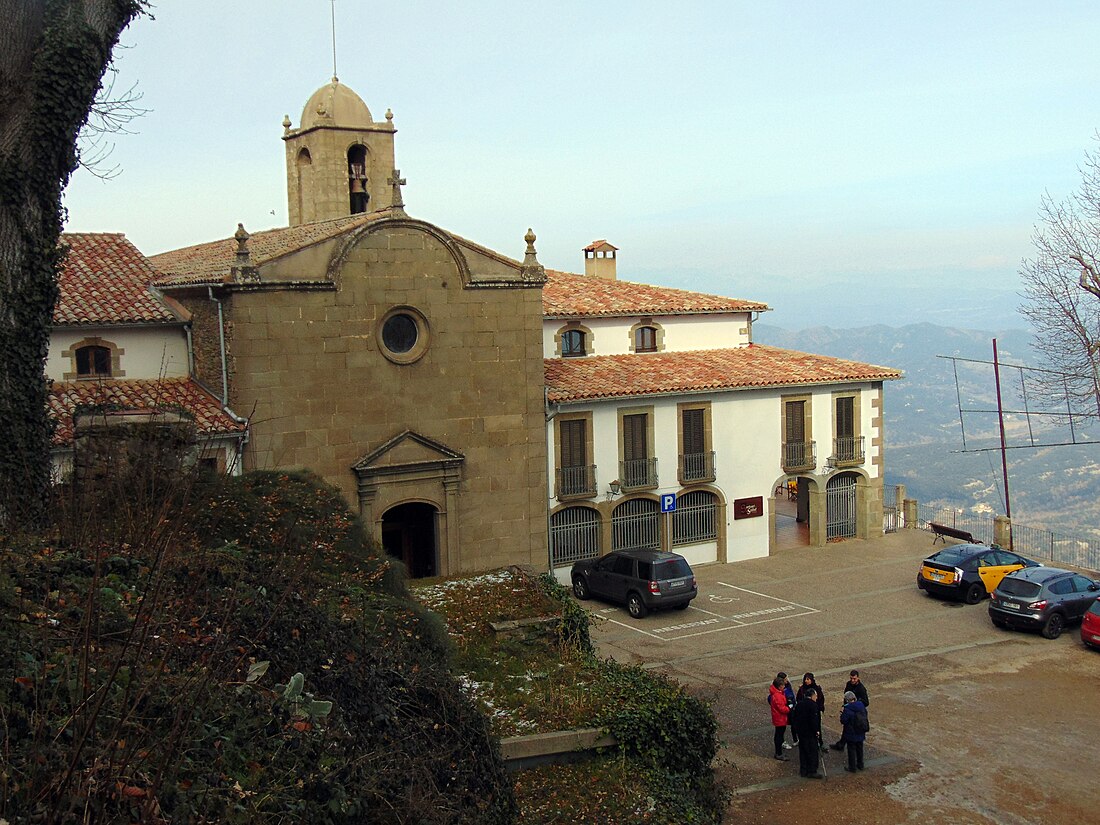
(334,76)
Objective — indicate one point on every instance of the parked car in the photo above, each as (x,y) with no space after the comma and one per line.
(1044,599)
(1090,625)
(968,571)
(643,580)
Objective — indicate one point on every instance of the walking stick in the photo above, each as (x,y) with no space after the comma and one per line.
(821,759)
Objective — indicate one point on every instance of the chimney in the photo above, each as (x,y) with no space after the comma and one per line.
(599,260)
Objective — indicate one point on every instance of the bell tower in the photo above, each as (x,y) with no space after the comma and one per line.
(339,161)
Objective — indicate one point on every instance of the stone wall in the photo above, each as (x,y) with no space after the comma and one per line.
(310,370)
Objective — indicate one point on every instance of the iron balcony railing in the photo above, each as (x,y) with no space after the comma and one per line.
(696,467)
(848,451)
(638,473)
(799,455)
(576,482)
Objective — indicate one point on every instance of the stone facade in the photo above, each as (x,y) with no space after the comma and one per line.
(458,417)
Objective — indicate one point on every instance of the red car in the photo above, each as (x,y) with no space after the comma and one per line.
(1090,626)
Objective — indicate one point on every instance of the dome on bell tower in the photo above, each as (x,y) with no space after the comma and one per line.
(339,161)
(335,104)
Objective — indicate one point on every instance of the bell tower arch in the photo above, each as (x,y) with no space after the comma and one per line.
(339,160)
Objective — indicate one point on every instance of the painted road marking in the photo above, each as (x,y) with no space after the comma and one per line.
(719,622)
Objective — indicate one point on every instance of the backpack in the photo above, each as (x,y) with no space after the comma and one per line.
(860,723)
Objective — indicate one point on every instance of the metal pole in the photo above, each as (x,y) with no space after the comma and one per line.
(1001,422)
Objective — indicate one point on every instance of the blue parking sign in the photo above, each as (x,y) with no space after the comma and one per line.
(668,502)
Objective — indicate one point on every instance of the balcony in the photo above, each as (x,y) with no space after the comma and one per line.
(848,451)
(696,467)
(638,474)
(799,456)
(575,482)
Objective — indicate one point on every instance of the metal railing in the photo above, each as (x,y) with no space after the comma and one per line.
(574,535)
(575,482)
(848,451)
(696,467)
(638,473)
(799,455)
(1033,542)
(635,523)
(695,518)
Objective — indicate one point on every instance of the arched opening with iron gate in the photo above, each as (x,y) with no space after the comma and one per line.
(635,525)
(574,535)
(410,535)
(841,506)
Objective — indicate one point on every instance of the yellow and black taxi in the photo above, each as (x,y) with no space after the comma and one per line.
(968,571)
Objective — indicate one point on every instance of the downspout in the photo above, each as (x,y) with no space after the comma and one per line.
(242,439)
(221,346)
(190,350)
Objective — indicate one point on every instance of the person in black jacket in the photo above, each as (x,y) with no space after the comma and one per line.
(805,719)
(809,683)
(856,686)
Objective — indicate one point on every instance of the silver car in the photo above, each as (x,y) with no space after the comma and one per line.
(1042,598)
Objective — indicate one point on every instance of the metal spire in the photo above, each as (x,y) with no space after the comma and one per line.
(334,77)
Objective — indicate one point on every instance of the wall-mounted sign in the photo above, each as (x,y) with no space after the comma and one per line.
(748,507)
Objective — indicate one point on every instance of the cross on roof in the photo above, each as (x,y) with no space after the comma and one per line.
(396,181)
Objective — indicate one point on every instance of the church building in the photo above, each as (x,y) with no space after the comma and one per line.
(475,409)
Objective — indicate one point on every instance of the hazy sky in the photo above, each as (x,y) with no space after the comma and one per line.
(847,162)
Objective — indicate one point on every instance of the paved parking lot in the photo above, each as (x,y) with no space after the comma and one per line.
(970,724)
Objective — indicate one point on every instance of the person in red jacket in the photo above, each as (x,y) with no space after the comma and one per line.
(777,698)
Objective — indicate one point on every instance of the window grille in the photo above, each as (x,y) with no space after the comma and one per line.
(636,524)
(695,518)
(574,535)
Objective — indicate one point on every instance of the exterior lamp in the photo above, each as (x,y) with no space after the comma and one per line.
(613,489)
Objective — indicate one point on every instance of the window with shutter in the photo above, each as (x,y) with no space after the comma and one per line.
(635,442)
(573,443)
(694,436)
(845,417)
(796,422)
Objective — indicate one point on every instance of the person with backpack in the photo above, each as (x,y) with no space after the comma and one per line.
(854,684)
(856,724)
(777,699)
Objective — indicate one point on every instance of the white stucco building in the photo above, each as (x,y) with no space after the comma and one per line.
(119,347)
(657,395)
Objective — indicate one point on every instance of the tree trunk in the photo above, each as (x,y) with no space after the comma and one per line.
(53,54)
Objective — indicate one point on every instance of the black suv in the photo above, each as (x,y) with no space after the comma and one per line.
(643,580)
(1043,598)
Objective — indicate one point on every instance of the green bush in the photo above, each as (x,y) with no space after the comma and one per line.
(130,684)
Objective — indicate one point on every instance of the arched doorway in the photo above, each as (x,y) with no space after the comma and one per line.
(409,535)
(840,506)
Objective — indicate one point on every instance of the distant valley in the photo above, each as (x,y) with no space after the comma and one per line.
(1053,487)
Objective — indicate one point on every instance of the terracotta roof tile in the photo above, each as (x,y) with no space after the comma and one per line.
(163,394)
(619,376)
(210,263)
(105,280)
(592,247)
(580,296)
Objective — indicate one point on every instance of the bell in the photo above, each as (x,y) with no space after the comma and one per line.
(357,186)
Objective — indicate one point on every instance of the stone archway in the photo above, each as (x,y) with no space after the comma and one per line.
(410,535)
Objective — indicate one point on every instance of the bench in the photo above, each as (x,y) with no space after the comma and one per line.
(943,532)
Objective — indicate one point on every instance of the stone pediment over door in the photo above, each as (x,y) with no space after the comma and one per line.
(412,467)
(409,452)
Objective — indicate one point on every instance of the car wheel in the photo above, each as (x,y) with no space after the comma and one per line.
(1000,624)
(683,606)
(975,593)
(636,607)
(580,588)
(1053,627)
